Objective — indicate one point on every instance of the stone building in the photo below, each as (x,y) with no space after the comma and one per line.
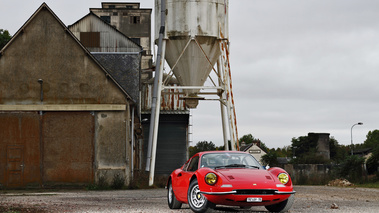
(64,117)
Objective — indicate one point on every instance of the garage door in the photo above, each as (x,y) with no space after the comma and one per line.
(68,147)
(19,149)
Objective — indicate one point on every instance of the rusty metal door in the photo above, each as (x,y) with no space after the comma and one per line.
(19,149)
(68,147)
(15,166)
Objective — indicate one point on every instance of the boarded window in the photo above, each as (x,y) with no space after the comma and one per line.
(136,40)
(90,39)
(134,19)
(106,19)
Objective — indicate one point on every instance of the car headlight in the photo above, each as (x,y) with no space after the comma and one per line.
(211,178)
(283,178)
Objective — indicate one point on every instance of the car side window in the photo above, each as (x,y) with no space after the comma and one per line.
(193,165)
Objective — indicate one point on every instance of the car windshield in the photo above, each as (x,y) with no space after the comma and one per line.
(229,160)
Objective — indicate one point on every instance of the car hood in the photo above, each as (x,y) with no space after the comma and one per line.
(242,176)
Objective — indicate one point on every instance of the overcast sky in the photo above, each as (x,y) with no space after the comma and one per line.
(297,66)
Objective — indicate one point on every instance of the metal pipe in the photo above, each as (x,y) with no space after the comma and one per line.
(351,135)
(132,146)
(155,107)
(191,87)
(40,81)
(156,121)
(223,120)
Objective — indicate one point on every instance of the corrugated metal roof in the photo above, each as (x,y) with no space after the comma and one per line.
(111,39)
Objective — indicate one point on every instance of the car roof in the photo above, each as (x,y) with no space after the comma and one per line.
(222,151)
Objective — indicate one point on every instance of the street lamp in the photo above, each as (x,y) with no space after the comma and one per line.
(351,135)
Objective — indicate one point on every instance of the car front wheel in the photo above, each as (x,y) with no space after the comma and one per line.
(196,200)
(282,206)
(173,203)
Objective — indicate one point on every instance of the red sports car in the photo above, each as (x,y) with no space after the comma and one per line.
(229,178)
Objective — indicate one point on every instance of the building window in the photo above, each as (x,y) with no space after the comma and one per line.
(90,39)
(136,40)
(112,6)
(134,19)
(106,19)
(115,13)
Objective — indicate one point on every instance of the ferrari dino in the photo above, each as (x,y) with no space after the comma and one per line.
(230,178)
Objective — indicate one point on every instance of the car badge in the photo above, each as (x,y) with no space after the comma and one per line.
(254,184)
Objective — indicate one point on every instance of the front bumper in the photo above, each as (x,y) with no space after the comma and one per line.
(240,197)
(236,193)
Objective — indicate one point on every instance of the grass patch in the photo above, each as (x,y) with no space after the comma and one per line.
(369,185)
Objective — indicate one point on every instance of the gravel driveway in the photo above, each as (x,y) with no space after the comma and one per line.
(307,199)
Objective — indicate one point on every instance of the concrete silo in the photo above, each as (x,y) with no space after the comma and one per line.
(192,36)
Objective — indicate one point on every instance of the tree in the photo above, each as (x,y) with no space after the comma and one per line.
(372,139)
(302,145)
(270,159)
(248,139)
(373,162)
(201,146)
(304,148)
(338,153)
(4,37)
(351,168)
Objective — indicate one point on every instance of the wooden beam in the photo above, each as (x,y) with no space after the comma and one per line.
(64,107)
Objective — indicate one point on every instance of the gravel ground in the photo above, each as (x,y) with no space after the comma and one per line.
(307,199)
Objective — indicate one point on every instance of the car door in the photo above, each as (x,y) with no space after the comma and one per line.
(183,178)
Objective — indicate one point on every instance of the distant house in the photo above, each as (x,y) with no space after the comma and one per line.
(253,149)
(64,117)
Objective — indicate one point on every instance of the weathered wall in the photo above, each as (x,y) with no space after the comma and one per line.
(58,147)
(112,154)
(43,50)
(110,39)
(310,173)
(67,148)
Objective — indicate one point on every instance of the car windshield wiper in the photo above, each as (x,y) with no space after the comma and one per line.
(230,165)
(236,165)
(250,166)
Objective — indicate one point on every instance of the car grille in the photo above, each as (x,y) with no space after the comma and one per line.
(256,191)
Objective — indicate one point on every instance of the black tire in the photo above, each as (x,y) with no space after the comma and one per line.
(282,206)
(173,203)
(197,201)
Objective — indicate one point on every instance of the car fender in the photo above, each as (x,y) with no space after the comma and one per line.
(203,186)
(275,171)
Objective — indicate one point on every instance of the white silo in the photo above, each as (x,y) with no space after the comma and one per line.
(192,36)
(192,33)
